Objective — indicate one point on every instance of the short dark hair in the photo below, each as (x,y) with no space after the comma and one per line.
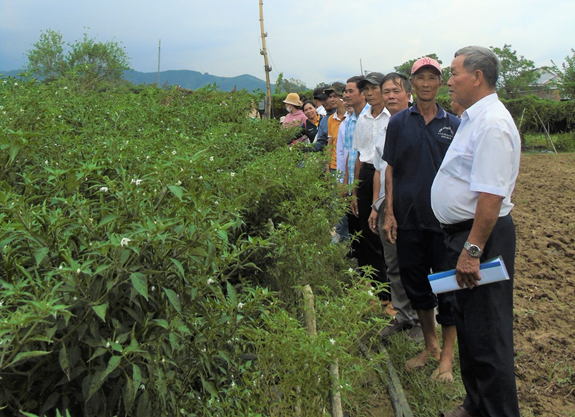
(399,80)
(482,59)
(308,102)
(355,79)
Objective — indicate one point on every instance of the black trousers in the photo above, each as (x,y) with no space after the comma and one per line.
(484,322)
(418,252)
(369,248)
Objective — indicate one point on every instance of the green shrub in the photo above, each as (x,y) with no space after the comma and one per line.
(149,241)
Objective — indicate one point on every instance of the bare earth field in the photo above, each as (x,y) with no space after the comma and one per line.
(544,214)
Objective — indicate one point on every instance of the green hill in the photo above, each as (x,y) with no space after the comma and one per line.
(185,78)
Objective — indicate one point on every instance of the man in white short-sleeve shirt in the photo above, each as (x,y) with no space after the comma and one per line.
(470,197)
(369,130)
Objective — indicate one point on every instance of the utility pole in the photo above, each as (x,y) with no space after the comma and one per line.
(159,50)
(361,67)
(264,52)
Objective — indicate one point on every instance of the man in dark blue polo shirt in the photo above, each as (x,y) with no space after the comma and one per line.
(417,140)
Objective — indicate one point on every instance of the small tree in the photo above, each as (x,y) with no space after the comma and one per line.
(47,59)
(87,60)
(293,85)
(516,74)
(566,82)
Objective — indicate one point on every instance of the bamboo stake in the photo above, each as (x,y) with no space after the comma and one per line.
(264,52)
(309,311)
(310,325)
(546,131)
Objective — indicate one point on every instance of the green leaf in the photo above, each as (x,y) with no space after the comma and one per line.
(174,299)
(27,355)
(101,311)
(101,268)
(24,413)
(64,360)
(198,252)
(107,219)
(140,283)
(112,365)
(129,393)
(40,254)
(177,191)
(179,266)
(100,376)
(99,352)
(231,292)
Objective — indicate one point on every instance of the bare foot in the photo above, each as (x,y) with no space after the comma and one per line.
(442,374)
(420,360)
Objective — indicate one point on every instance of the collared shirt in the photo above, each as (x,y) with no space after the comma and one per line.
(321,110)
(483,158)
(378,161)
(415,150)
(348,141)
(368,131)
(332,132)
(321,138)
(341,153)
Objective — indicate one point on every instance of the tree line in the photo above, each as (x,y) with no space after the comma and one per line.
(92,62)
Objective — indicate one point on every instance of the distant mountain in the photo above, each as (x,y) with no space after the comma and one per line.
(185,79)
(13,73)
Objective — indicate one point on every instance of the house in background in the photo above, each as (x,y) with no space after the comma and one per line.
(546,85)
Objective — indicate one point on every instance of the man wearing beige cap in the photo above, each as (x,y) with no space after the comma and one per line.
(416,142)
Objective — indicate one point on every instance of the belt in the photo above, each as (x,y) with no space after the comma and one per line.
(463,226)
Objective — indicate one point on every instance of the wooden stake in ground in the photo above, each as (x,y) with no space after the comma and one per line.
(267,68)
(546,130)
(310,325)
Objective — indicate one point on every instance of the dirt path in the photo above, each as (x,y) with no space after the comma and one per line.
(545,285)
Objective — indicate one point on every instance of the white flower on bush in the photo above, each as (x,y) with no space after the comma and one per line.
(179,183)
(211,281)
(370,292)
(332,341)
(107,344)
(78,271)
(233,174)
(240,306)
(46,162)
(125,241)
(173,152)
(350,270)
(201,177)
(211,159)
(104,189)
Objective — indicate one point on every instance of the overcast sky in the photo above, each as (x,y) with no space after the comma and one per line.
(315,41)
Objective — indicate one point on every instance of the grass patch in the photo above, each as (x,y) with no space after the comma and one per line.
(564,142)
(425,397)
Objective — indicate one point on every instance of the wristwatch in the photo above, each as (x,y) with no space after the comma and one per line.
(474,250)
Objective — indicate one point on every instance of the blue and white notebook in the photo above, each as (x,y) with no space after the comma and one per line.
(490,271)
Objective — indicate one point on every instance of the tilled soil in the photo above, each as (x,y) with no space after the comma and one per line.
(544,215)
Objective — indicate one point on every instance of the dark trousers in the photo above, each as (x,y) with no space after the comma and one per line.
(369,249)
(484,321)
(418,252)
